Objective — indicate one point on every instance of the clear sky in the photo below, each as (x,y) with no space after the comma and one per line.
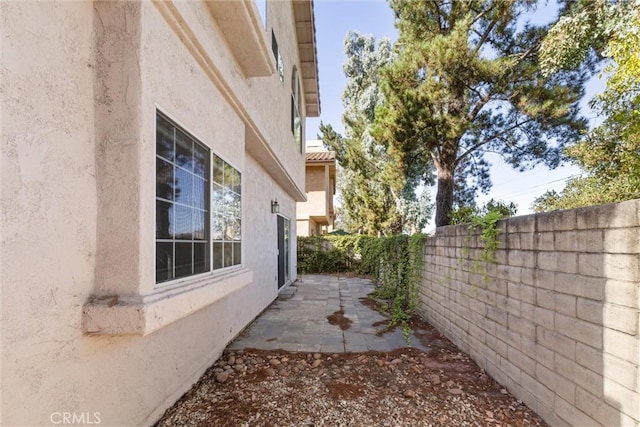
(334,18)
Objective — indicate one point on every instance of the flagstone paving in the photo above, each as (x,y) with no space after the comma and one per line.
(300,323)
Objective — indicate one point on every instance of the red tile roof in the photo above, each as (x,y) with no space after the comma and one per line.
(320,156)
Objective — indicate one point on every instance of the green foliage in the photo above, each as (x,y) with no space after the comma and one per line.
(609,153)
(332,254)
(375,196)
(465,80)
(575,37)
(485,220)
(487,224)
(395,264)
(465,214)
(584,32)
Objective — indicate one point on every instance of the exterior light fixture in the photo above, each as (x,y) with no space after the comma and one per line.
(275,207)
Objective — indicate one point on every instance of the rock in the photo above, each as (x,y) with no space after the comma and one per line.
(316,363)
(238,368)
(394,387)
(222,377)
(270,372)
(283,372)
(317,356)
(396,361)
(231,360)
(217,370)
(435,379)
(284,360)
(454,391)
(380,363)
(409,393)
(274,362)
(239,361)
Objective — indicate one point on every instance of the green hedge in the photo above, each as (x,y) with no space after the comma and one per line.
(331,254)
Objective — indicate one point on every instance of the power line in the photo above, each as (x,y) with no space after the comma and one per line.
(530,189)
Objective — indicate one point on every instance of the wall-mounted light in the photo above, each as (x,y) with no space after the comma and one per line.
(275,207)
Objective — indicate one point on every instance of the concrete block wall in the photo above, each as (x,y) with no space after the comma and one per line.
(555,319)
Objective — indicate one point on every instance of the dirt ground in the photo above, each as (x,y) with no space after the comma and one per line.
(404,387)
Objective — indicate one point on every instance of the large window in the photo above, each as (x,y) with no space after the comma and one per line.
(226,214)
(195,232)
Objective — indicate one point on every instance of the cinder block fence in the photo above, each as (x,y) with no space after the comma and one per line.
(555,318)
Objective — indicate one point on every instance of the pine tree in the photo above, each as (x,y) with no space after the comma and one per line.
(466,81)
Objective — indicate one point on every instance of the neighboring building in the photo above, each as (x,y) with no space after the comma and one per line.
(316,215)
(151,164)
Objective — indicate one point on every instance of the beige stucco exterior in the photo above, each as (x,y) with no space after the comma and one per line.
(85,330)
(317,214)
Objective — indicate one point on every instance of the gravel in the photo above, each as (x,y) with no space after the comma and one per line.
(404,387)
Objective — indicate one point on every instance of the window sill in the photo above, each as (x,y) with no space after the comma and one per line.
(109,316)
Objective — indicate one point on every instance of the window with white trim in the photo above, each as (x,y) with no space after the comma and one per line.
(195,232)
(226,214)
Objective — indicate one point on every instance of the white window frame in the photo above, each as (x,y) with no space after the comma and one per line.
(167,302)
(205,241)
(233,191)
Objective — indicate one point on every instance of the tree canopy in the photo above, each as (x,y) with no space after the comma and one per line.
(466,80)
(609,153)
(376,197)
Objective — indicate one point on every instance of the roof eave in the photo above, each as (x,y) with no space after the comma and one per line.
(306,32)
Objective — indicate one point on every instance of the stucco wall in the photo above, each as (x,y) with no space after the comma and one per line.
(316,177)
(555,319)
(78,201)
(317,194)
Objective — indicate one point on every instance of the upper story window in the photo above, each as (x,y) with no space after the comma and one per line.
(262,8)
(278,57)
(195,232)
(296,121)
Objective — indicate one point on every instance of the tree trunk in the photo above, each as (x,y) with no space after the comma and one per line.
(444,196)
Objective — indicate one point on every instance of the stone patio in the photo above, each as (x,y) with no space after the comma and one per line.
(299,322)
